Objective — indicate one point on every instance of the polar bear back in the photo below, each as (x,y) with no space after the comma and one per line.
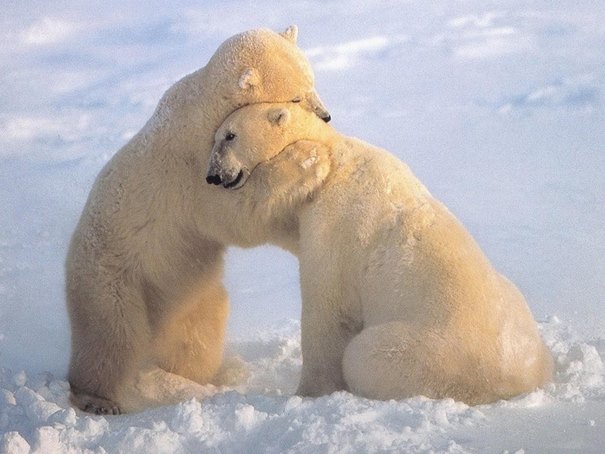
(406,254)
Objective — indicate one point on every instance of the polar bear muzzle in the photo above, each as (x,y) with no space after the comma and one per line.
(227,181)
(313,103)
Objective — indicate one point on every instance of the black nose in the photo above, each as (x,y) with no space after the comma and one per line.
(326,118)
(213,179)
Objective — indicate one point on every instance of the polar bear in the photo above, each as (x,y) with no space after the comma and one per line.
(145,264)
(398,299)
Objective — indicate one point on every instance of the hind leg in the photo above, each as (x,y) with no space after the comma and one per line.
(191,342)
(383,362)
(395,361)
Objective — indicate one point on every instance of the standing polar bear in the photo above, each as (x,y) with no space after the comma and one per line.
(145,264)
(397,298)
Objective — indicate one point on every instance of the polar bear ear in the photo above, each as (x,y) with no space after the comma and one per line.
(279,116)
(291,33)
(249,78)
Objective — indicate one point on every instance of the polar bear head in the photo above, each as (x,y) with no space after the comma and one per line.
(256,134)
(263,66)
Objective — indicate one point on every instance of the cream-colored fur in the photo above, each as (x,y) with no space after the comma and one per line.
(397,298)
(145,264)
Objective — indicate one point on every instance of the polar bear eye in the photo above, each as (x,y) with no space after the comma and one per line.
(297,99)
(229,136)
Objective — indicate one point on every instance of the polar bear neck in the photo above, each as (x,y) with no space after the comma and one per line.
(188,114)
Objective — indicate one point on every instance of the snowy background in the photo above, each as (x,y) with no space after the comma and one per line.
(498,107)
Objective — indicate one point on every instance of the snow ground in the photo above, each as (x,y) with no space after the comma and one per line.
(262,415)
(498,108)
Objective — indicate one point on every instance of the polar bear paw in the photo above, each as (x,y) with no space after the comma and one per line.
(94,404)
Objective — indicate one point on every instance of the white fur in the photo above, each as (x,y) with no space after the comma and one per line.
(145,265)
(397,298)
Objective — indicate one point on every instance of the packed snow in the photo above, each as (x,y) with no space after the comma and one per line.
(498,108)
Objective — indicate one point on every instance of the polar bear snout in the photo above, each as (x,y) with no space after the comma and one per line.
(213,179)
(314,103)
(229,180)
(225,168)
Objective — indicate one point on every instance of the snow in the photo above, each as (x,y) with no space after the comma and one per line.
(262,415)
(498,108)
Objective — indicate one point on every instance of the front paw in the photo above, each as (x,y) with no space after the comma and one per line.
(318,388)
(94,404)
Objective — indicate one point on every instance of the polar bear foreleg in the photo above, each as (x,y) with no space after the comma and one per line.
(108,341)
(322,358)
(326,329)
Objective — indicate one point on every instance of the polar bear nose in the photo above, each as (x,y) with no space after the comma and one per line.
(317,107)
(213,179)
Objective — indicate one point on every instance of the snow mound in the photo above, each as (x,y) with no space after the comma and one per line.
(260,415)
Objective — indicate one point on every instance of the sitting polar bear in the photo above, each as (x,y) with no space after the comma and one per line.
(145,264)
(397,298)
